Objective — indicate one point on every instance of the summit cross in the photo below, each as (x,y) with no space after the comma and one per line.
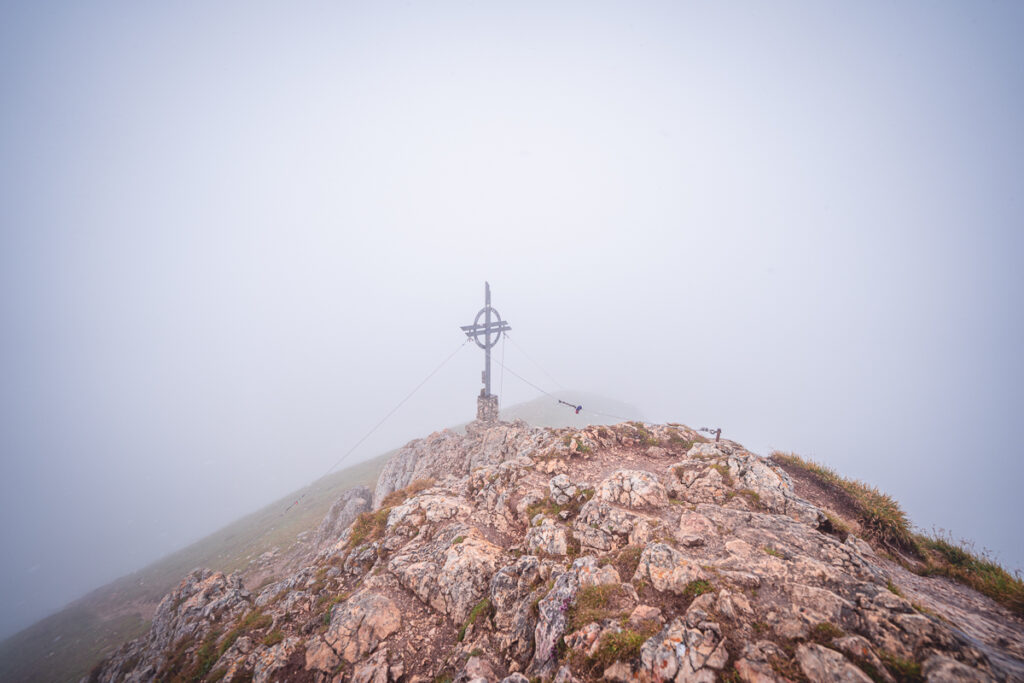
(486,331)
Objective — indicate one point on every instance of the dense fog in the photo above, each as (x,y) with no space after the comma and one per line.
(233,236)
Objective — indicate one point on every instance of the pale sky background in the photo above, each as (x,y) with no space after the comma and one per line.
(234,235)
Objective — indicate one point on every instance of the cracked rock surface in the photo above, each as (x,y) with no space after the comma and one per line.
(634,552)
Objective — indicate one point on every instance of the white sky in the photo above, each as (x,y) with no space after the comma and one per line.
(233,236)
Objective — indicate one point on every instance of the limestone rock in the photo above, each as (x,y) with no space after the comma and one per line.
(372,670)
(633,489)
(666,569)
(344,511)
(477,670)
(548,538)
(693,529)
(271,660)
(551,622)
(454,580)
(450,577)
(510,585)
(822,665)
(562,489)
(602,526)
(320,656)
(360,624)
(447,453)
(940,668)
(591,574)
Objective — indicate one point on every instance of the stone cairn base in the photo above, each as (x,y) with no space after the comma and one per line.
(487,408)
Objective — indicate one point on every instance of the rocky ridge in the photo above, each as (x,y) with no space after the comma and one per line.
(631,553)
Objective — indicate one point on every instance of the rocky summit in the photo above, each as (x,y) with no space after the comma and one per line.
(633,552)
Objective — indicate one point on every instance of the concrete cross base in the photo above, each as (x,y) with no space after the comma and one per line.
(487,408)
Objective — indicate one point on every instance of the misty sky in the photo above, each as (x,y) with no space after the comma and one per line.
(234,235)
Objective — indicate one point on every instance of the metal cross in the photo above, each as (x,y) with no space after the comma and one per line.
(486,335)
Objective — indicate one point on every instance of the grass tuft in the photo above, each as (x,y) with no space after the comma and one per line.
(903,670)
(884,521)
(398,497)
(825,632)
(879,513)
(253,621)
(369,527)
(481,610)
(622,646)
(274,637)
(646,437)
(945,557)
(724,471)
(625,561)
(698,588)
(593,603)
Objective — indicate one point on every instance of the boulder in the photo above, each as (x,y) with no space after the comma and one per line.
(320,656)
(449,576)
(666,569)
(632,489)
(360,623)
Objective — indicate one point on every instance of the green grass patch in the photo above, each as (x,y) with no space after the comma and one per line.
(572,545)
(824,633)
(646,437)
(834,526)
(369,527)
(481,610)
(208,654)
(772,551)
(624,645)
(273,638)
(328,602)
(580,446)
(592,603)
(697,588)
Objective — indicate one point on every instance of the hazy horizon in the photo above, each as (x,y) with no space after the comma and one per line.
(232,237)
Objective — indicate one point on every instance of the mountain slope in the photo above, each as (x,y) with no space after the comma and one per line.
(630,553)
(65,645)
